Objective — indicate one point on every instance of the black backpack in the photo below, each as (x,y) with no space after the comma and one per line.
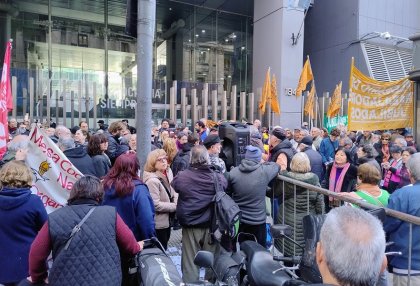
(227,215)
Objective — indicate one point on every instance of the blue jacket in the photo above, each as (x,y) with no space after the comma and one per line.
(406,200)
(137,210)
(327,149)
(22,216)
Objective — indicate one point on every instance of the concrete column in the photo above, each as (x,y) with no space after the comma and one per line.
(172,104)
(224,106)
(414,75)
(275,50)
(214,104)
(233,101)
(242,108)
(63,94)
(14,95)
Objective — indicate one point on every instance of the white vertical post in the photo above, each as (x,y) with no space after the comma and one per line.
(214,104)
(14,94)
(175,88)
(72,108)
(95,99)
(251,107)
(242,109)
(184,104)
(24,100)
(233,104)
(205,100)
(31,98)
(194,107)
(224,106)
(259,113)
(64,102)
(172,104)
(79,97)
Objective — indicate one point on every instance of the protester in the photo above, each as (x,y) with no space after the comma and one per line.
(281,150)
(77,156)
(12,125)
(158,177)
(115,146)
(351,249)
(391,180)
(298,202)
(171,150)
(61,131)
(247,185)
(365,138)
(328,146)
(130,196)
(98,144)
(16,149)
(22,216)
(315,158)
(84,126)
(367,188)
(182,138)
(81,138)
(406,200)
(182,158)
(316,137)
(348,144)
(367,154)
(164,125)
(341,176)
(201,129)
(382,148)
(91,256)
(213,146)
(132,142)
(102,125)
(196,189)
(403,172)
(131,129)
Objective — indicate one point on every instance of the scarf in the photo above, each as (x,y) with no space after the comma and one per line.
(178,145)
(336,186)
(385,151)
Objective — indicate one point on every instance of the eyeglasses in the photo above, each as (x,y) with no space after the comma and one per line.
(162,159)
(387,139)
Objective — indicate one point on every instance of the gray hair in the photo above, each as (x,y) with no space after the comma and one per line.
(347,141)
(304,132)
(15,145)
(353,257)
(66,143)
(199,156)
(62,131)
(400,141)
(413,166)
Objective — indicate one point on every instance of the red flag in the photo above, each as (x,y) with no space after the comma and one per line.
(6,103)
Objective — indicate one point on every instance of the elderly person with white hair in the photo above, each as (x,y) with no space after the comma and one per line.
(351,249)
(406,200)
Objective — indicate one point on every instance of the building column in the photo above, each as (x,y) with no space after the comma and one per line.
(5,30)
(414,75)
(274,25)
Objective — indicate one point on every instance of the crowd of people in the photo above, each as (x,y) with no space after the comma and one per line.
(176,189)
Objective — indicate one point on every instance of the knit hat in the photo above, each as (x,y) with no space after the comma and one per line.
(253,153)
(307,140)
(279,133)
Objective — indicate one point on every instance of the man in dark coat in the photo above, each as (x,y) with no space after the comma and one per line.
(315,158)
(281,150)
(196,189)
(248,185)
(77,156)
(182,158)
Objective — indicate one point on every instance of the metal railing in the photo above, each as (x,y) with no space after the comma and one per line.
(412,220)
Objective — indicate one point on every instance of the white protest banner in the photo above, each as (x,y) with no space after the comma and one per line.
(54,174)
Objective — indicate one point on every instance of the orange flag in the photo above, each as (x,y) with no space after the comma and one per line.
(310,102)
(305,77)
(266,92)
(335,104)
(275,106)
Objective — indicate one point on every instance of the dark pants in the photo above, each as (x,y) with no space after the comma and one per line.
(258,230)
(163,235)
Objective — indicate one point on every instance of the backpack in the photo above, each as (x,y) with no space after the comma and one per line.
(226,215)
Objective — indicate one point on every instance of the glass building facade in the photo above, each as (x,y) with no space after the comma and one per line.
(77,54)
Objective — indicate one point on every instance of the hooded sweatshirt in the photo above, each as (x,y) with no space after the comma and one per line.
(81,160)
(22,216)
(248,184)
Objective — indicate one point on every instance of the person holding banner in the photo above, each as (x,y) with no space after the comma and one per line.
(22,216)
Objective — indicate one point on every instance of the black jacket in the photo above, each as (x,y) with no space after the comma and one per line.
(81,160)
(115,148)
(349,181)
(196,190)
(182,159)
(284,147)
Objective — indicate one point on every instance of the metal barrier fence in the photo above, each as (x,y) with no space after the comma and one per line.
(412,220)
